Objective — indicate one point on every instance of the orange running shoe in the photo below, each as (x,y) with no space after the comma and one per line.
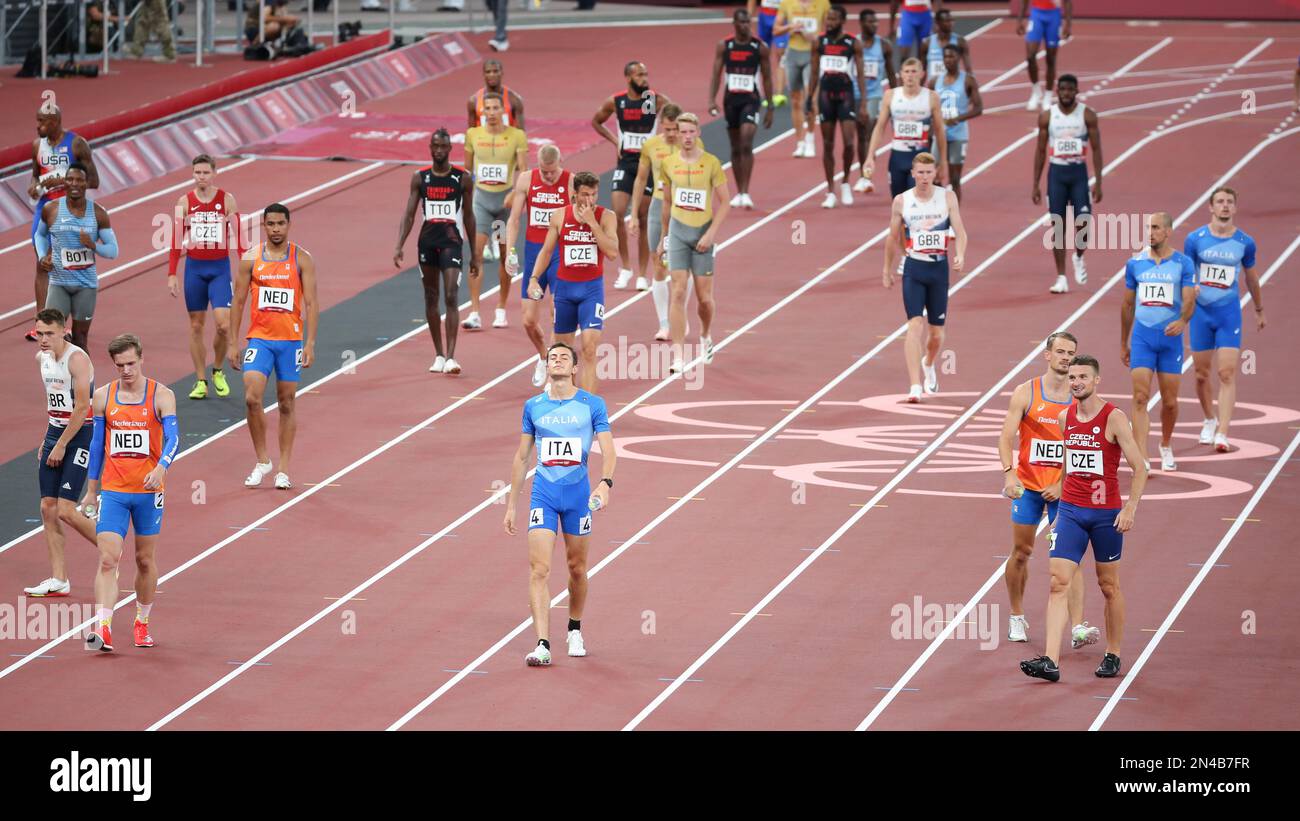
(101,638)
(142,637)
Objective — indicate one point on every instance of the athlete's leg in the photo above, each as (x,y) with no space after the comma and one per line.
(430,279)
(54,536)
(285,395)
(221,337)
(848,128)
(42,287)
(254,387)
(590,347)
(620,200)
(1141,418)
(533,323)
(541,543)
(146,569)
(110,554)
(933,343)
(642,238)
(954,179)
(476,278)
(1169,385)
(69,515)
(576,548)
(81,333)
(1062,570)
(828,154)
(704,303)
(1050,82)
(451,307)
(1017,573)
(1108,581)
(913,347)
(677,311)
(1227,359)
(1031,61)
(737,166)
(1203,362)
(744,158)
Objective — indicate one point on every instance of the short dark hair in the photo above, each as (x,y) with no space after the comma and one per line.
(1068,78)
(942,13)
(1047,346)
(441,132)
(735,15)
(204,158)
(123,343)
(276,208)
(954,48)
(493,95)
(572,353)
(76,166)
(865,13)
(843,12)
(627,68)
(1085,359)
(51,316)
(585,179)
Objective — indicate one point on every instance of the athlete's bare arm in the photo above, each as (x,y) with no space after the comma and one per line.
(81,154)
(894,241)
(608,458)
(940,138)
(964,47)
(518,204)
(1126,310)
(644,166)
(887,52)
(1094,139)
(97,405)
(1007,438)
(878,131)
(36,168)
(1040,156)
(238,293)
(408,218)
(765,66)
(1179,325)
(518,468)
(1252,285)
(1119,431)
(602,114)
(178,238)
(543,260)
(471,226)
(714,77)
(164,405)
(521,157)
(605,231)
(667,210)
(893,16)
(1069,20)
(517,110)
(959,228)
(471,110)
(311,306)
(976,107)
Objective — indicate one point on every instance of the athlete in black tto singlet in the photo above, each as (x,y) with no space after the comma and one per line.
(737,62)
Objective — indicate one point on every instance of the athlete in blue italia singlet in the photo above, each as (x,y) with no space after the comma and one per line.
(562,422)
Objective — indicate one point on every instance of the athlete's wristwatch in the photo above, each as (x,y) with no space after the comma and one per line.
(609,482)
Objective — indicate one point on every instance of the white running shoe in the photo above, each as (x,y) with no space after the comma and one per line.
(706,342)
(737,200)
(1035,98)
(1167,463)
(576,647)
(1062,286)
(798,149)
(540,657)
(642,284)
(259,472)
(914,395)
(846,195)
(624,277)
(49,587)
(1208,428)
(1047,101)
(676,367)
(931,377)
(1080,270)
(472,322)
(829,202)
(661,335)
(1084,634)
(747,201)
(438,364)
(452,366)
(539,374)
(490,253)
(282,481)
(1016,629)
(809,145)
(863,185)
(500,319)
(1221,443)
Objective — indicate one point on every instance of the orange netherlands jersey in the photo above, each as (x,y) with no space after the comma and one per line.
(1042,447)
(133,440)
(275,296)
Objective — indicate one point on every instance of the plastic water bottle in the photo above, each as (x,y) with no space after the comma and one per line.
(594,504)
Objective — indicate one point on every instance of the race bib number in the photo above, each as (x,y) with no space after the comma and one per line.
(871,69)
(495,172)
(128,444)
(909,130)
(584,525)
(1047,452)
(58,404)
(557,451)
(1159,294)
(81,458)
(439,211)
(249,355)
(539,217)
(535,518)
(297,358)
(1083,461)
(51,176)
(740,82)
(205,231)
(600,311)
(930,242)
(1067,147)
(948,112)
(158,501)
(690,199)
(579,255)
(632,141)
(77,258)
(936,68)
(807,25)
(834,64)
(1218,276)
(274,299)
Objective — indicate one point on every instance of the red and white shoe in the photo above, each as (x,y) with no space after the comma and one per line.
(101,638)
(142,637)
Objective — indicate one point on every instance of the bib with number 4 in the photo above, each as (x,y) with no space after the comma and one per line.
(77,258)
(274,299)
(1218,276)
(1083,461)
(1159,294)
(1046,452)
(690,199)
(561,451)
(740,82)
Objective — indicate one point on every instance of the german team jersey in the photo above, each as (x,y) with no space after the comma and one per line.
(740,64)
(1218,262)
(1041,448)
(52,163)
(441,203)
(1091,462)
(275,291)
(636,122)
(1159,285)
(495,156)
(133,439)
(207,231)
(507,114)
(580,258)
(543,200)
(693,183)
(807,16)
(837,66)
(564,430)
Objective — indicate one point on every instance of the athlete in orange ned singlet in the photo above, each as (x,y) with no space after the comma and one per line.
(1030,480)
(278,277)
(493,73)
(134,442)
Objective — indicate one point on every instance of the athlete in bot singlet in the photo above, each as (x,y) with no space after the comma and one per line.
(563,422)
(494,154)
(512,112)
(959,103)
(877,62)
(1223,256)
(1160,295)
(636,111)
(73,232)
(837,57)
(207,227)
(801,20)
(278,278)
(778,43)
(134,442)
(68,378)
(737,62)
(1066,132)
(583,235)
(1045,28)
(1030,479)
(914,26)
(53,151)
(443,196)
(915,114)
(1091,510)
(920,222)
(538,195)
(933,47)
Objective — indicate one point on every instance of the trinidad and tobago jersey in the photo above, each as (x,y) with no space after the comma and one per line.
(442,197)
(836,62)
(636,122)
(740,64)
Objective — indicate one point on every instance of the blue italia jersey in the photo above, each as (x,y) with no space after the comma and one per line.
(564,430)
(1218,262)
(1159,286)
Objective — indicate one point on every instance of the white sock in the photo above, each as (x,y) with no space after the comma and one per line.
(142,612)
(659,293)
(105,615)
